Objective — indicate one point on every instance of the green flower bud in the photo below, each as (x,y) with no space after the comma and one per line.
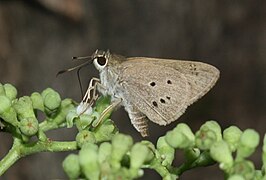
(180,137)
(5,104)
(66,106)
(249,140)
(11,91)
(9,116)
(221,153)
(102,103)
(105,150)
(88,159)
(2,90)
(151,148)
(105,131)
(138,156)
(84,121)
(244,168)
(71,166)
(23,107)
(167,152)
(104,156)
(232,135)
(7,112)
(67,102)
(208,133)
(205,138)
(52,101)
(215,127)
(37,101)
(236,177)
(46,91)
(29,126)
(85,136)
(185,129)
(120,145)
(70,117)
(90,146)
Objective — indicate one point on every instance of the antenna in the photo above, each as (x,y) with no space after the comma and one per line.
(78,67)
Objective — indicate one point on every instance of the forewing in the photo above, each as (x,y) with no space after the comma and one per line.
(159,92)
(201,77)
(162,89)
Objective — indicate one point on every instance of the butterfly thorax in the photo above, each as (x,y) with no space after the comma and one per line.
(109,79)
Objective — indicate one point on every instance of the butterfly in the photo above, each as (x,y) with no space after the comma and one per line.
(150,89)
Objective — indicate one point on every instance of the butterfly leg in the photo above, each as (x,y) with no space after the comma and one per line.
(138,120)
(90,96)
(108,110)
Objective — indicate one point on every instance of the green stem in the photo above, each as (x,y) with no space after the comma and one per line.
(47,125)
(19,150)
(9,159)
(50,125)
(48,146)
(162,170)
(203,160)
(182,168)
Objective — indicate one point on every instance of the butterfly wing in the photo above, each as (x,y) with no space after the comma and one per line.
(163,89)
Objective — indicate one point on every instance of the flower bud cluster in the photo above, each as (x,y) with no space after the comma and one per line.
(19,115)
(208,145)
(117,159)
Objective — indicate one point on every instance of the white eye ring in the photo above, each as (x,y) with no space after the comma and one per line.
(100,62)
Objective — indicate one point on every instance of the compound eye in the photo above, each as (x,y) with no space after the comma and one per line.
(100,62)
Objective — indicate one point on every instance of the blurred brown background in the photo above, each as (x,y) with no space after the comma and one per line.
(38,38)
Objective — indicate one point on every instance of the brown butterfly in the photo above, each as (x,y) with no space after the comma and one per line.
(159,90)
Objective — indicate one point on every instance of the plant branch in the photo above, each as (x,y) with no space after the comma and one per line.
(19,150)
